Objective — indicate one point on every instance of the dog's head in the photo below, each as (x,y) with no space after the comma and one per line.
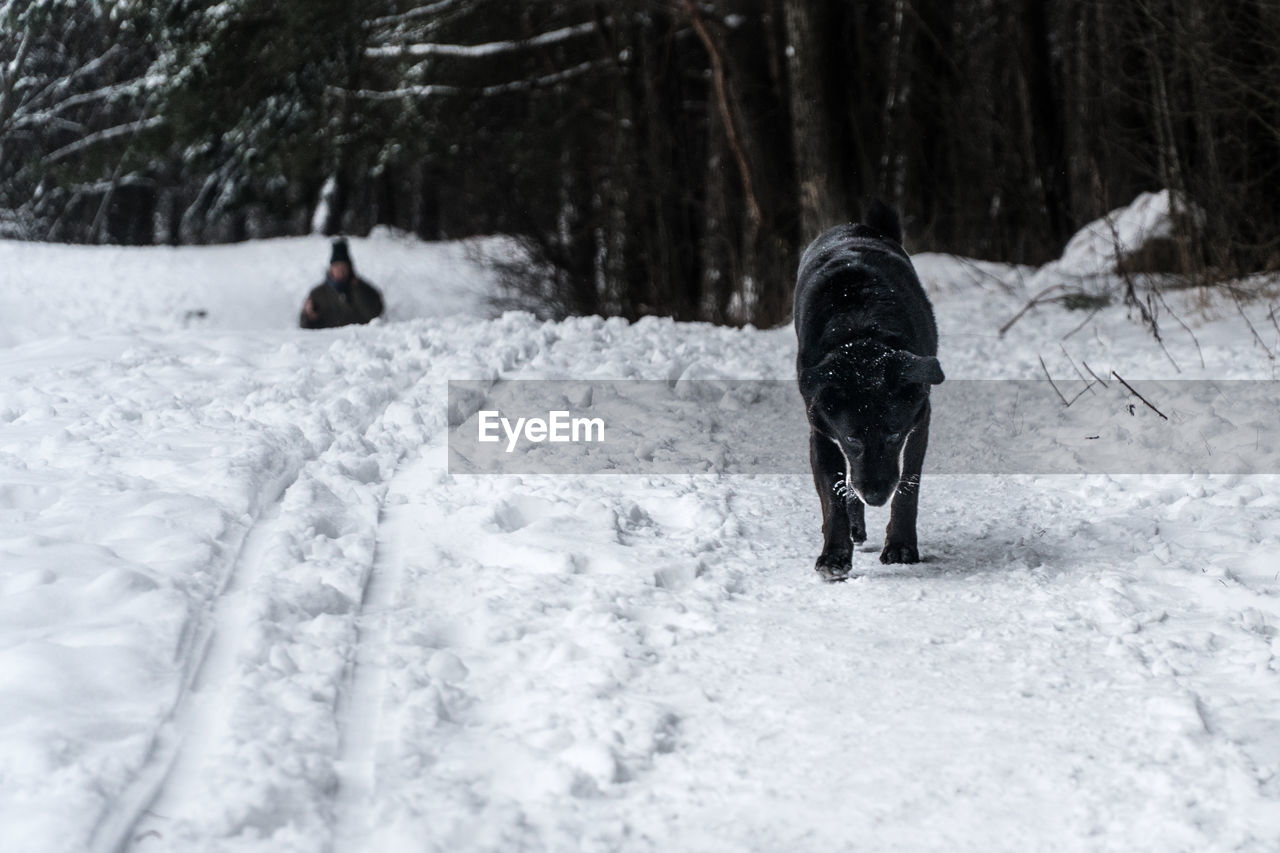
(867,398)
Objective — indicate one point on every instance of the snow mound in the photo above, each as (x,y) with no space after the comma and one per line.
(1097,249)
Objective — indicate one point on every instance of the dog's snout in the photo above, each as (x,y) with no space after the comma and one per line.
(876,495)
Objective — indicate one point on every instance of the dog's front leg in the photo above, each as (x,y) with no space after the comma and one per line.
(857,518)
(900,535)
(828,465)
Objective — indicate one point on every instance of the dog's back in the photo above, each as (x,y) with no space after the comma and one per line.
(857,282)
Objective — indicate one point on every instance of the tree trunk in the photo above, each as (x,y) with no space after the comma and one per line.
(1046,116)
(821,192)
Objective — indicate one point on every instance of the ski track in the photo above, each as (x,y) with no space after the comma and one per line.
(202,719)
(285,635)
(360,706)
(208,660)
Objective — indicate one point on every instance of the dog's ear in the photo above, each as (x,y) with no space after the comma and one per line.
(923,369)
(818,404)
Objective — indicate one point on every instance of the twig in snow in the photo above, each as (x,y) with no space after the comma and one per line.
(1235,297)
(1088,386)
(1139,396)
(1146,309)
(1183,324)
(1051,382)
(1061,397)
(1101,381)
(1083,323)
(1035,300)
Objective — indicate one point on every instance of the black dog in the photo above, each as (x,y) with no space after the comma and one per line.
(868,347)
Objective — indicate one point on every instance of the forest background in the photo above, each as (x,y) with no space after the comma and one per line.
(652,156)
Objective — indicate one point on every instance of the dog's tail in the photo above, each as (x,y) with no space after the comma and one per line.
(883,218)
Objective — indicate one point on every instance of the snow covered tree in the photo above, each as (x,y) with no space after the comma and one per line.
(655,156)
(74,100)
(246,94)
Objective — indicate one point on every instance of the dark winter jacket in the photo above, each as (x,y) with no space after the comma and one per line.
(341,304)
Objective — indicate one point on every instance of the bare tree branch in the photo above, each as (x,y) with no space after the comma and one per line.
(106,93)
(430,10)
(103,135)
(1139,396)
(720,77)
(423,91)
(433,90)
(480,50)
(1040,297)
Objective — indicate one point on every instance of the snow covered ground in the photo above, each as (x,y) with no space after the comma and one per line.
(244,606)
(52,290)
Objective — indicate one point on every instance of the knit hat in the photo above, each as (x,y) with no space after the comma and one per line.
(340,253)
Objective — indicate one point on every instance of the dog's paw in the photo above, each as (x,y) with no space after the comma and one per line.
(895,552)
(834,566)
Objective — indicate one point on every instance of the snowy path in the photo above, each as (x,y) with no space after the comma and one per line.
(647,663)
(245,607)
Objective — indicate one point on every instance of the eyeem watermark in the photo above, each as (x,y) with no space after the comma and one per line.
(1010,426)
(558,427)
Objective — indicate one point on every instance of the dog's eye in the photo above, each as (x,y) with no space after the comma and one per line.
(854,444)
(893,437)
